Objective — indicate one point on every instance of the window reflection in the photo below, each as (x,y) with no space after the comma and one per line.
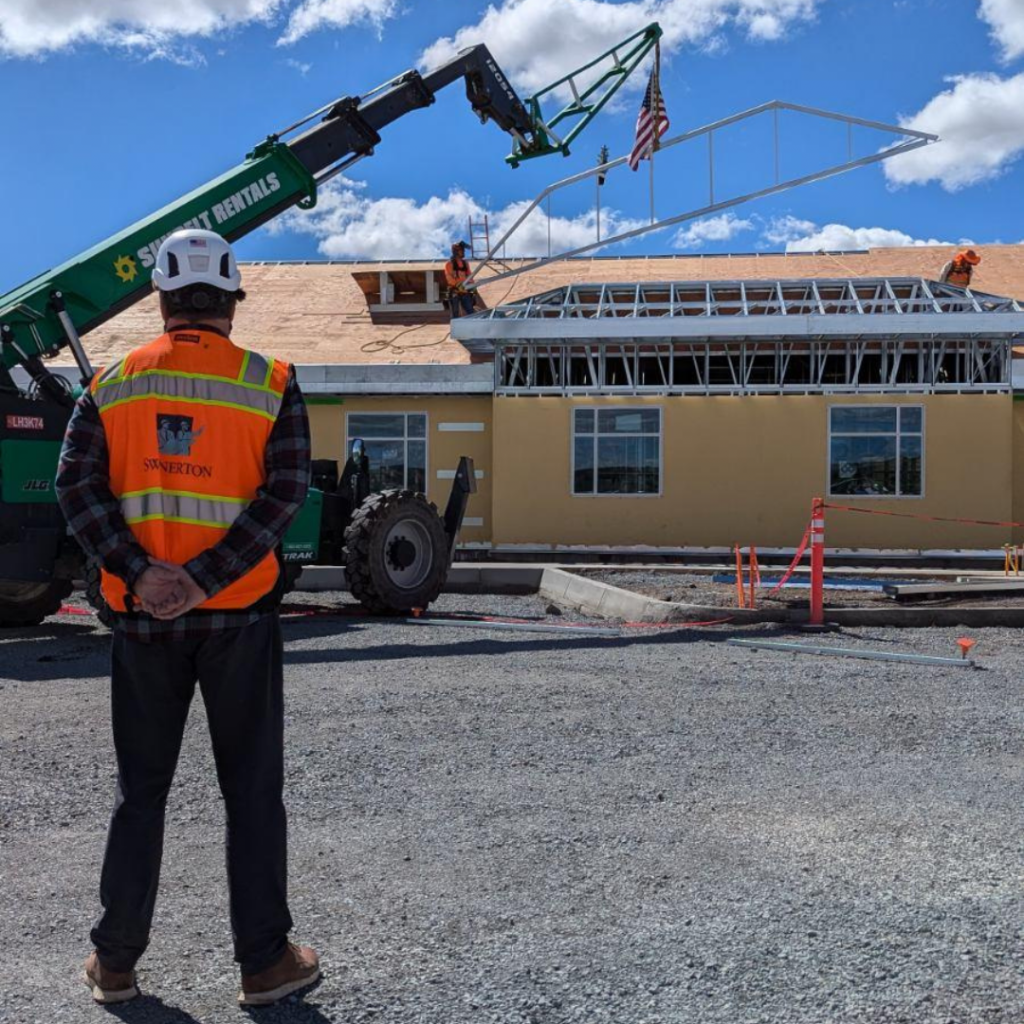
(876,451)
(617,451)
(396,446)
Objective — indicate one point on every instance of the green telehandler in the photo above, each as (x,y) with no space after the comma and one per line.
(395,546)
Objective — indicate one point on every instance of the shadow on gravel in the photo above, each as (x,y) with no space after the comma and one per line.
(55,650)
(471,643)
(293,1010)
(150,1010)
(293,1013)
(510,644)
(51,630)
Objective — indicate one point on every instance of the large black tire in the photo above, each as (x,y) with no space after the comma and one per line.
(94,595)
(396,553)
(27,604)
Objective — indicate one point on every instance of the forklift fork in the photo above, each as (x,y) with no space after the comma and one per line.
(463,486)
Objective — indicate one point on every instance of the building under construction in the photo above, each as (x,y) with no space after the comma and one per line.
(666,403)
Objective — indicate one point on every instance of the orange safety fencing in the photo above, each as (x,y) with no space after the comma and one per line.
(817,535)
(917,515)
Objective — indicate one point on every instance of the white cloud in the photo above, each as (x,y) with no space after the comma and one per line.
(538,38)
(531,237)
(348,224)
(711,229)
(806,236)
(980,121)
(535,41)
(312,15)
(1006,19)
(32,28)
(780,230)
(301,66)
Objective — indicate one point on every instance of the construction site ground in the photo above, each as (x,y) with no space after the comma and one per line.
(700,589)
(538,828)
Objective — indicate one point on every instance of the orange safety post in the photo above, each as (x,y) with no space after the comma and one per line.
(739,578)
(751,564)
(965,643)
(817,562)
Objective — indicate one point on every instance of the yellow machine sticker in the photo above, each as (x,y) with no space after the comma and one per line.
(126,268)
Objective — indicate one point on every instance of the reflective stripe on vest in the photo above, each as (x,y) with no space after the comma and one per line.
(202,389)
(255,370)
(181,507)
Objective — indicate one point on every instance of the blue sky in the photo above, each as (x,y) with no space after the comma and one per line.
(108,119)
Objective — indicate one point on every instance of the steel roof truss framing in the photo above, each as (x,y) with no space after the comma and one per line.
(842,308)
(744,367)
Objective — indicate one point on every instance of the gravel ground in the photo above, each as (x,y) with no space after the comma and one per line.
(536,829)
(697,588)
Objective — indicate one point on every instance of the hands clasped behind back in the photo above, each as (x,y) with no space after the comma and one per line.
(166,590)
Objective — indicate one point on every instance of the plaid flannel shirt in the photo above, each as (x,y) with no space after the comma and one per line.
(94,516)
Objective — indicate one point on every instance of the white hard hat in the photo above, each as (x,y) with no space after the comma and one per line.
(196,257)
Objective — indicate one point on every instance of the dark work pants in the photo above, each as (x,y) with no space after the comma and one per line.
(239,672)
(461,304)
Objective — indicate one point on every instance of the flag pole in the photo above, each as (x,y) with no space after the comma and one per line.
(652,184)
(656,104)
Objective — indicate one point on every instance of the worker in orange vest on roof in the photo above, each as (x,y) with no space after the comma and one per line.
(456,272)
(959,269)
(182,468)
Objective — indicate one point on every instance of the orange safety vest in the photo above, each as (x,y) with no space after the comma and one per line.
(456,273)
(959,274)
(187,420)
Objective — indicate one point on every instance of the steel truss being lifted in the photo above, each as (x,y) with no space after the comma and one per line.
(908,139)
(751,337)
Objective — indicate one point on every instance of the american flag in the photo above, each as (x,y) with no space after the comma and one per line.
(652,121)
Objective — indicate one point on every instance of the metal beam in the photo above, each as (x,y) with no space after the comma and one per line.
(765,327)
(911,139)
(851,652)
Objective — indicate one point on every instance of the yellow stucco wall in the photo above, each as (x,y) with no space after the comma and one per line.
(1017,431)
(327,425)
(744,469)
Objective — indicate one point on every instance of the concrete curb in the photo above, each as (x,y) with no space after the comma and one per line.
(596,598)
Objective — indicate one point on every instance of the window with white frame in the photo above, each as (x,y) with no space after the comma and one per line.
(396,444)
(616,451)
(876,451)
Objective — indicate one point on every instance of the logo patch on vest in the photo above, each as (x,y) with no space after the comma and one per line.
(174,434)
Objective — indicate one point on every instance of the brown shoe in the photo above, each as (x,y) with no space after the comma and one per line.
(109,986)
(298,967)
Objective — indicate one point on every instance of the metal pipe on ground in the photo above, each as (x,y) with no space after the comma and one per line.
(851,652)
(521,627)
